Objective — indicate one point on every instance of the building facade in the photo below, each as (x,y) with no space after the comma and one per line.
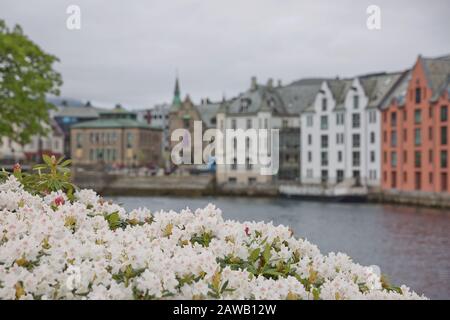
(415,128)
(340,134)
(116,139)
(51,144)
(260,107)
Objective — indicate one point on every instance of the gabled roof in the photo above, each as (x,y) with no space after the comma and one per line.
(398,91)
(300,94)
(339,90)
(437,71)
(208,112)
(377,86)
(261,98)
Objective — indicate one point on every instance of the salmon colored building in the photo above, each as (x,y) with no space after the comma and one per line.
(415,129)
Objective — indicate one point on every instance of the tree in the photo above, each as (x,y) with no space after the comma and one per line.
(26,78)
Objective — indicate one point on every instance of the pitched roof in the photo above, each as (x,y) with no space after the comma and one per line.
(378,86)
(398,91)
(261,98)
(208,112)
(300,94)
(437,71)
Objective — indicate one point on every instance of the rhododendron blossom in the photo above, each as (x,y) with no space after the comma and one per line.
(55,248)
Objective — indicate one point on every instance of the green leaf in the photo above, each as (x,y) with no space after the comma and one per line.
(254,255)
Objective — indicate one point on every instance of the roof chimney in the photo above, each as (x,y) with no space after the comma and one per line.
(254,84)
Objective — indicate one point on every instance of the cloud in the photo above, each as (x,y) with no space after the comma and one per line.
(128,52)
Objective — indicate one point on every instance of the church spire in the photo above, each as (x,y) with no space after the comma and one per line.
(177,94)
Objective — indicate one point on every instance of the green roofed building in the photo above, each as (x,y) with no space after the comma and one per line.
(116,139)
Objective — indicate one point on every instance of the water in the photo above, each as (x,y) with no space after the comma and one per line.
(410,245)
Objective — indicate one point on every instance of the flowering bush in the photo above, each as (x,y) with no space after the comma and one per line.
(52,247)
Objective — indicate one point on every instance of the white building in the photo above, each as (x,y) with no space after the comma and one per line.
(340,131)
(260,107)
(52,144)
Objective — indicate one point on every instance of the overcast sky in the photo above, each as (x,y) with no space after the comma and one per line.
(129,51)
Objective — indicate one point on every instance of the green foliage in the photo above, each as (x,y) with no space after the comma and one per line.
(52,175)
(26,77)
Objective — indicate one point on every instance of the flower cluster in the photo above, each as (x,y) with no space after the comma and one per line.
(53,247)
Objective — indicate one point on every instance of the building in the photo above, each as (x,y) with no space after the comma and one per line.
(340,135)
(415,129)
(116,139)
(260,107)
(51,144)
(157,117)
(70,112)
(296,97)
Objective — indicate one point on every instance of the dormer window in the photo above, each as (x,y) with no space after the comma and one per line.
(324,104)
(355,102)
(418,95)
(245,103)
(271,102)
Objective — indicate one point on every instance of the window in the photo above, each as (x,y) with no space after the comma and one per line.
(405,177)
(356,121)
(393,119)
(385,157)
(324,141)
(339,119)
(339,138)
(384,136)
(324,158)
(79,139)
(248,165)
(405,156)
(394,138)
(417,159)
(324,104)
(372,116)
(266,123)
(234,164)
(418,180)
(251,180)
(405,135)
(309,121)
(418,95)
(430,156)
(444,136)
(324,176)
(444,159)
(309,156)
(444,181)
(233,124)
(129,140)
(355,102)
(232,180)
(309,173)
(372,137)
(285,123)
(430,177)
(417,137)
(430,112)
(417,116)
(444,113)
(309,139)
(430,133)
(394,159)
(356,159)
(339,176)
(249,123)
(324,122)
(405,115)
(356,140)
(339,156)
(372,156)
(393,179)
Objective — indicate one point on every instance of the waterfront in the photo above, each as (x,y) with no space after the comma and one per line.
(411,245)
